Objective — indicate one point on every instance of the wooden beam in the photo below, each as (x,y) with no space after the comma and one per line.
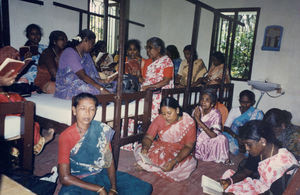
(91,13)
(34,2)
(215,11)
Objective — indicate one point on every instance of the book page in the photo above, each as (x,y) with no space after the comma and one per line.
(211,186)
(112,75)
(11,64)
(147,160)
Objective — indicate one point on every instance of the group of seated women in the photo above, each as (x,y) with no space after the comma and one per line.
(174,139)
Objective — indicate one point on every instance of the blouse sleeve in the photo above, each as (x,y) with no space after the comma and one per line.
(269,170)
(156,123)
(168,72)
(63,150)
(70,58)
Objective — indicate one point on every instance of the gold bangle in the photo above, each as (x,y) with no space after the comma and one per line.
(100,190)
(113,190)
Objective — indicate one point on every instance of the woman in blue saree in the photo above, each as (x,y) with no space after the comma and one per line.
(238,116)
(85,161)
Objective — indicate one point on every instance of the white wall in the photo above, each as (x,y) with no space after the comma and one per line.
(279,67)
(172,20)
(147,12)
(48,16)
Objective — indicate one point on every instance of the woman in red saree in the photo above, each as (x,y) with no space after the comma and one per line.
(170,154)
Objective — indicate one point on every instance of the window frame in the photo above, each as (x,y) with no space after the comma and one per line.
(231,39)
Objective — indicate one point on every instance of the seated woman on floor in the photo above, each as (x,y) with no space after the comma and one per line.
(34,34)
(199,68)
(173,53)
(85,160)
(170,153)
(211,144)
(286,133)
(238,116)
(48,62)
(259,140)
(76,71)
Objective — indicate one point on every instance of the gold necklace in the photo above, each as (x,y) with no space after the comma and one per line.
(270,154)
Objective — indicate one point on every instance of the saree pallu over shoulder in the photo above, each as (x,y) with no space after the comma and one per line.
(92,153)
(250,114)
(167,147)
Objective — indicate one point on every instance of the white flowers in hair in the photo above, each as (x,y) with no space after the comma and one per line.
(77,38)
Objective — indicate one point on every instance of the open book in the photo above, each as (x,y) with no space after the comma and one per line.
(147,160)
(34,50)
(211,186)
(10,64)
(112,75)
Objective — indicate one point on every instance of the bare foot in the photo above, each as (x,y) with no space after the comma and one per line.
(49,135)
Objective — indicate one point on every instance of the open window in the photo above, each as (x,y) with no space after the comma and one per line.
(105,26)
(235,41)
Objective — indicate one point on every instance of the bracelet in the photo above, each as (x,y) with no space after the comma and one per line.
(113,190)
(176,161)
(100,190)
(231,181)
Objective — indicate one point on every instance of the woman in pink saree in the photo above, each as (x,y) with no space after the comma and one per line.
(211,144)
(170,154)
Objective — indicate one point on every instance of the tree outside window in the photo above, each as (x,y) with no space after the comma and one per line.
(240,50)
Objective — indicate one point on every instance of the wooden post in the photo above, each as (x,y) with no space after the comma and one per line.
(105,25)
(194,45)
(117,117)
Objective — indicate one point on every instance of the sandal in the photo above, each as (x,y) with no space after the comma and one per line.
(37,148)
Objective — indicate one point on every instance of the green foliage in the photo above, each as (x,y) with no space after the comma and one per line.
(243,43)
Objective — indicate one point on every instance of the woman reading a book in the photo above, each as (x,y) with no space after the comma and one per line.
(34,34)
(211,144)
(259,141)
(76,71)
(8,52)
(85,160)
(48,62)
(169,154)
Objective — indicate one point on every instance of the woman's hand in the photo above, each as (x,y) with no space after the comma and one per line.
(8,79)
(103,90)
(168,166)
(225,183)
(103,192)
(144,151)
(112,192)
(197,113)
